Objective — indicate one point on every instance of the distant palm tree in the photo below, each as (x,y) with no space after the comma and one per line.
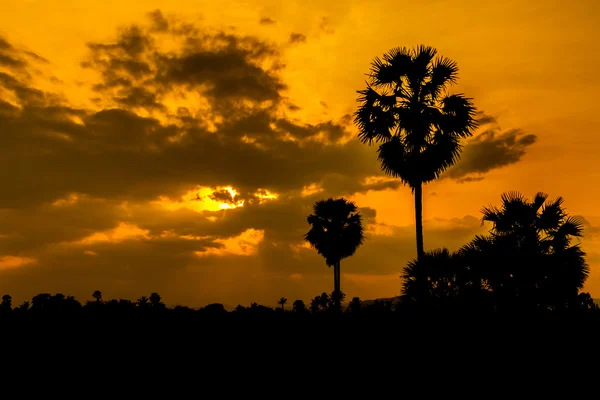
(355,305)
(324,301)
(336,233)
(155,301)
(299,306)
(6,302)
(282,302)
(97,295)
(142,302)
(314,304)
(406,108)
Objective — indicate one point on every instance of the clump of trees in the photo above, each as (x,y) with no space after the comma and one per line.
(527,263)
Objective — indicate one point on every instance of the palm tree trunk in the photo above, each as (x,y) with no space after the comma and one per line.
(419,219)
(336,285)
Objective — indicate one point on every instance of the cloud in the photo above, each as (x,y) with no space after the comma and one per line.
(266,21)
(10,262)
(297,37)
(485,119)
(490,150)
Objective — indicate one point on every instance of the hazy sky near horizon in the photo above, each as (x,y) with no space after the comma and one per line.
(177,147)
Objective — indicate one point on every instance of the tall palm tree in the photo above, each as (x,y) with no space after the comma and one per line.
(406,108)
(336,232)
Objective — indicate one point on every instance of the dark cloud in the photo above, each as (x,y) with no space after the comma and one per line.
(223,66)
(485,119)
(266,21)
(223,196)
(159,22)
(325,26)
(489,150)
(297,37)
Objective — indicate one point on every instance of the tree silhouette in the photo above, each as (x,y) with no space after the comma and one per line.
(324,301)
(142,302)
(407,109)
(315,304)
(528,260)
(6,302)
(155,301)
(355,305)
(336,232)
(440,279)
(282,302)
(299,306)
(97,295)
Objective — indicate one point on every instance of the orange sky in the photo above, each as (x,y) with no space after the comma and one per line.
(102,161)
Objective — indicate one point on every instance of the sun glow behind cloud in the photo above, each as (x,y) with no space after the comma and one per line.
(245,244)
(11,262)
(123,231)
(201,199)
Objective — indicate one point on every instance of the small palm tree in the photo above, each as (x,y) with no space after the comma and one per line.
(97,295)
(314,304)
(282,302)
(299,306)
(435,279)
(142,302)
(336,232)
(6,302)
(407,109)
(155,300)
(355,305)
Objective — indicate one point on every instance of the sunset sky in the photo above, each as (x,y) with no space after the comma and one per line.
(178,146)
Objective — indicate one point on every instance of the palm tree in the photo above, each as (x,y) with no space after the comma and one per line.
(355,305)
(155,301)
(336,233)
(142,302)
(6,302)
(97,295)
(406,108)
(528,258)
(441,278)
(314,304)
(299,306)
(282,302)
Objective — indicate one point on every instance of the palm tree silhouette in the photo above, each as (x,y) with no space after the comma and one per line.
(336,233)
(97,295)
(355,305)
(407,109)
(435,279)
(314,304)
(528,259)
(282,302)
(299,306)
(142,302)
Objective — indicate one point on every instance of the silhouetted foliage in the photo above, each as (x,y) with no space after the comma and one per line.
(406,107)
(282,302)
(527,263)
(336,232)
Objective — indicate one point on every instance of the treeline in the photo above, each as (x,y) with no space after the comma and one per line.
(60,308)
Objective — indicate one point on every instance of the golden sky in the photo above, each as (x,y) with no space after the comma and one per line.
(177,147)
